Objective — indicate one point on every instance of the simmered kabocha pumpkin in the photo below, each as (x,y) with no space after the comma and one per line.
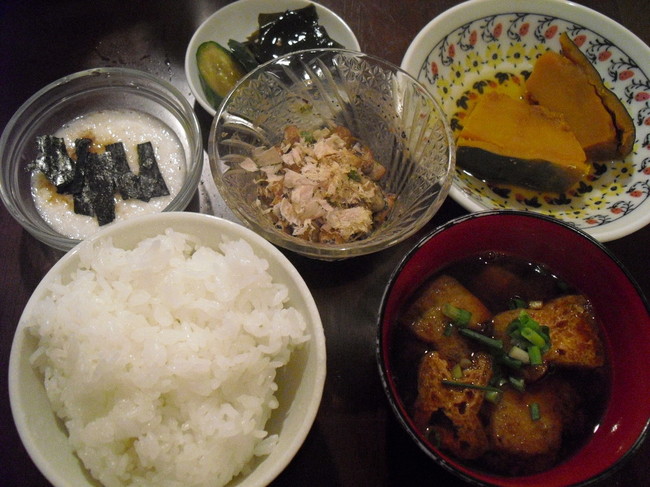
(561,86)
(626,132)
(507,140)
(568,83)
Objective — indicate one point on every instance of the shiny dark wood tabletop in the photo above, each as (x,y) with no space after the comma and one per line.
(355,440)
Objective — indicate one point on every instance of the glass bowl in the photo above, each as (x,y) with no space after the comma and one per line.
(77,95)
(383,106)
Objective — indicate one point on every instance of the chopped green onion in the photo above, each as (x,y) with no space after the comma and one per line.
(535,413)
(535,304)
(467,385)
(516,303)
(354,176)
(513,327)
(465,363)
(519,354)
(526,321)
(518,384)
(458,315)
(493,396)
(535,355)
(449,329)
(308,136)
(479,337)
(546,334)
(503,359)
(533,337)
(457,372)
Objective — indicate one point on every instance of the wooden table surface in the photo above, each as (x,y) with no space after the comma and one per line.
(355,440)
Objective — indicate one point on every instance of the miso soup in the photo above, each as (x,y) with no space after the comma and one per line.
(501,364)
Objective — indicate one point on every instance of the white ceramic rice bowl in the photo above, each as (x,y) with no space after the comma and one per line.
(300,382)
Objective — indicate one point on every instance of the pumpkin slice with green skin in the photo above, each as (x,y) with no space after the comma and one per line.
(622,119)
(569,84)
(506,140)
(562,86)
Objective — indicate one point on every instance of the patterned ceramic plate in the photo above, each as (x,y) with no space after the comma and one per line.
(484,45)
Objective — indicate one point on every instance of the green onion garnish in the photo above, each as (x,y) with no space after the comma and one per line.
(519,354)
(308,137)
(535,355)
(449,329)
(490,342)
(457,372)
(467,385)
(533,337)
(535,413)
(518,384)
(525,331)
(354,176)
(493,396)
(516,303)
(459,316)
(503,359)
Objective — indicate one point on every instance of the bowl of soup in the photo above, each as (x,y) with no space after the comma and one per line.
(505,346)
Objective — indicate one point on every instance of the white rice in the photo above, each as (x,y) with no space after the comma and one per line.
(161,360)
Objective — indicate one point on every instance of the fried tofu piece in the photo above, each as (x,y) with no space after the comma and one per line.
(495,285)
(518,443)
(459,428)
(573,330)
(426,319)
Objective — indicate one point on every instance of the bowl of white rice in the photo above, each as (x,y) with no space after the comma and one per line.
(174,349)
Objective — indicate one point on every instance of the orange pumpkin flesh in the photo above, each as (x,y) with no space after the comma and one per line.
(510,141)
(562,86)
(626,132)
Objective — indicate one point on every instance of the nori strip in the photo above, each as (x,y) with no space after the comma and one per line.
(94,178)
(83,202)
(53,160)
(82,147)
(152,183)
(101,184)
(128,184)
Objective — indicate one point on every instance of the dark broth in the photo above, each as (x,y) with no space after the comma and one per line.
(536,283)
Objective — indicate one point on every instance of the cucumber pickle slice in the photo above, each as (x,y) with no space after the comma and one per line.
(219,71)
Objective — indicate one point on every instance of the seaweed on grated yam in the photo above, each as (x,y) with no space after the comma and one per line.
(53,161)
(101,186)
(152,183)
(94,179)
(128,183)
(81,147)
(83,204)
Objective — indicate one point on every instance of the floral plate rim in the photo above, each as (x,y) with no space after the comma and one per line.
(621,203)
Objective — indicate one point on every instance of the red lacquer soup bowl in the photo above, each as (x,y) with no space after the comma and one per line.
(587,266)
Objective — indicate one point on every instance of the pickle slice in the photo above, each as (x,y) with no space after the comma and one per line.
(219,71)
